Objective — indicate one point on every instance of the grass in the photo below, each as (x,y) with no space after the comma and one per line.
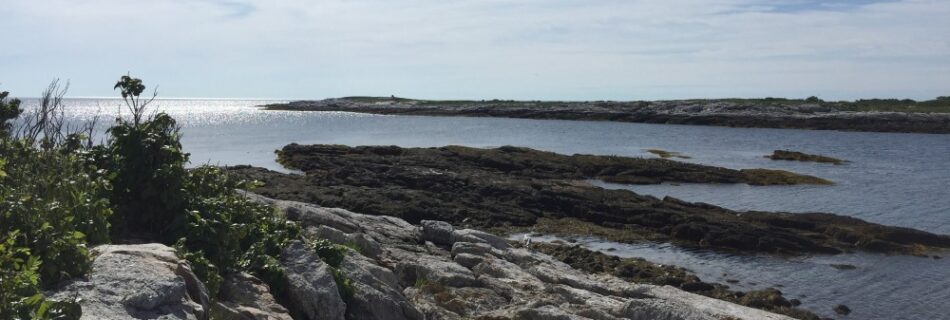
(668,154)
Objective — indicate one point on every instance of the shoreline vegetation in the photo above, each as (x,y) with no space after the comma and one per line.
(875,115)
(65,199)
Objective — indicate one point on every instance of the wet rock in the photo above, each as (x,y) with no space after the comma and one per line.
(511,187)
(137,282)
(311,289)
(842,309)
(844,266)
(767,298)
(689,231)
(798,156)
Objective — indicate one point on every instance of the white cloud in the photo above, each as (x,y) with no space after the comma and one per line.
(533,49)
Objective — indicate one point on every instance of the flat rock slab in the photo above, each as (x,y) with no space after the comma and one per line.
(145,281)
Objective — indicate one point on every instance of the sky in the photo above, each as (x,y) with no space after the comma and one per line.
(464,49)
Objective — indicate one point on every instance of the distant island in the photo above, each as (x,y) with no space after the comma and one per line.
(875,115)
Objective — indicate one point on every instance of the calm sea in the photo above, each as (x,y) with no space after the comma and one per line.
(895,179)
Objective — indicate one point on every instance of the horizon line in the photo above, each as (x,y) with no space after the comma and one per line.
(471,99)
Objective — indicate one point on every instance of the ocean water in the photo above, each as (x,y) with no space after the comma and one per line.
(894,179)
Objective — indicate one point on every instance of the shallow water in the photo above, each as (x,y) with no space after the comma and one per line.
(895,179)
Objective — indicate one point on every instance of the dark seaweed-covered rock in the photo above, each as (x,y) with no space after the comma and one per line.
(515,187)
(798,156)
(842,309)
(844,266)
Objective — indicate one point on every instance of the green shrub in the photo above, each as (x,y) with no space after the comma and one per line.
(55,205)
(343,284)
(329,252)
(58,195)
(214,227)
(49,208)
(9,109)
(20,295)
(146,168)
(232,232)
(202,267)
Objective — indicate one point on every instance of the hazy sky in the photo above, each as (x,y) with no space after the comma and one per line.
(527,49)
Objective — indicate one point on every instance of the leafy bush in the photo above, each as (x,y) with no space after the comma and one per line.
(59,194)
(146,167)
(50,208)
(329,252)
(9,109)
(54,204)
(20,295)
(232,232)
(214,227)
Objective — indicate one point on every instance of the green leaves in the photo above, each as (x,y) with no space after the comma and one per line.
(231,232)
(55,205)
(146,168)
(9,109)
(129,86)
(58,200)
(20,293)
(329,252)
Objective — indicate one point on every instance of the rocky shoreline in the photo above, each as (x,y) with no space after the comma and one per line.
(417,255)
(750,113)
(517,188)
(396,270)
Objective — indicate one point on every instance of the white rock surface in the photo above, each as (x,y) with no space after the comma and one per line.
(437,272)
(312,291)
(145,281)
